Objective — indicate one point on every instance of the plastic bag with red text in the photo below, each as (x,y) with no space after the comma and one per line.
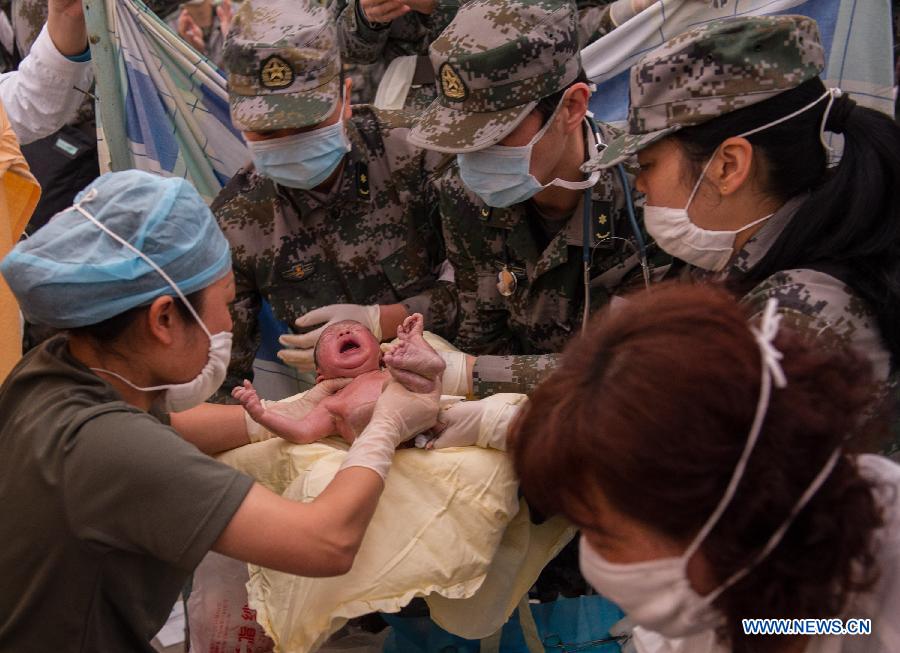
(219,618)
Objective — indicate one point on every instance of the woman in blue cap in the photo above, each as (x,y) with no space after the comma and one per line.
(107,509)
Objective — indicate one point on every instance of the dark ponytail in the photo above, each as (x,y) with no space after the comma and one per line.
(849,226)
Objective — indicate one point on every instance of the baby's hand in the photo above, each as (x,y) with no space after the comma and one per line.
(246,394)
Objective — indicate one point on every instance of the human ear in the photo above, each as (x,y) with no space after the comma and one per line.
(731,169)
(575,103)
(160,319)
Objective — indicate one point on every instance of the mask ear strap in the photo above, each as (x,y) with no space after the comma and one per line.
(835,93)
(546,126)
(770,372)
(700,180)
(774,541)
(92,194)
(595,175)
(831,94)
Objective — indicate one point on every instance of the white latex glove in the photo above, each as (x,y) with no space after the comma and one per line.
(399,415)
(455,380)
(300,347)
(295,407)
(483,423)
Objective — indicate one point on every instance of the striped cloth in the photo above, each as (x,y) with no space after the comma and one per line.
(857,35)
(162,107)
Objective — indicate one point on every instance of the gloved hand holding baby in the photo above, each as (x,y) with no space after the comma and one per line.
(350,380)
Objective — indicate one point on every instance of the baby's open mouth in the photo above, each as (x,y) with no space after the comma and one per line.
(348,345)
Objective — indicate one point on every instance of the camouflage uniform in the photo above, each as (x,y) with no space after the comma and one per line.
(213,38)
(545,309)
(811,301)
(412,33)
(365,78)
(487,86)
(722,67)
(374,238)
(27,17)
(365,75)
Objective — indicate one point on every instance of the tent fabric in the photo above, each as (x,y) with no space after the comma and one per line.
(162,106)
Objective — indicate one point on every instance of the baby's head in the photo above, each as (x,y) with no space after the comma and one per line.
(346,349)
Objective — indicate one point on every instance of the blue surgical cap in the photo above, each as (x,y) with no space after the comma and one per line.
(70,273)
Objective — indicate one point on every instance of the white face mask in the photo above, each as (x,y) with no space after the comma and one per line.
(303,160)
(501,175)
(673,230)
(657,594)
(178,396)
(182,396)
(677,235)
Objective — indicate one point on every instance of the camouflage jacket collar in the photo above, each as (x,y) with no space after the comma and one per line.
(522,242)
(354,168)
(758,246)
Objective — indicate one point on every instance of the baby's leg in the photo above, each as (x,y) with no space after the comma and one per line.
(316,425)
(412,361)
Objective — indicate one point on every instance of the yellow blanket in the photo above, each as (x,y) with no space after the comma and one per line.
(448,527)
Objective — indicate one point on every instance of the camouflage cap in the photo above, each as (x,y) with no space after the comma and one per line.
(283,64)
(492,65)
(712,70)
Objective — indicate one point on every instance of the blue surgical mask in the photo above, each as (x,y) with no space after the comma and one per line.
(302,160)
(501,176)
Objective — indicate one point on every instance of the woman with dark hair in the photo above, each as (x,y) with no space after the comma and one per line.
(107,510)
(727,492)
(728,122)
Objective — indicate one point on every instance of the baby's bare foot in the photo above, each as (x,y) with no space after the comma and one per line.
(412,361)
(246,394)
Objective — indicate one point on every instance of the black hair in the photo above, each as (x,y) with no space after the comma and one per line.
(111,329)
(547,105)
(849,225)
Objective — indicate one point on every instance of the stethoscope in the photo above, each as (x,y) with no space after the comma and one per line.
(587,221)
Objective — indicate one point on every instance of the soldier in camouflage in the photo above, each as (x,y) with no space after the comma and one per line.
(335,213)
(510,75)
(203,25)
(727,122)
(383,30)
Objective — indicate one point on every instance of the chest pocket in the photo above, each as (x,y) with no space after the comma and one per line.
(489,296)
(300,285)
(412,266)
(409,269)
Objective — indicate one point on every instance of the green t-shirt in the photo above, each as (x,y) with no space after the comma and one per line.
(106,511)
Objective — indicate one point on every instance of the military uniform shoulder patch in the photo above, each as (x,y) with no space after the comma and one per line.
(452,86)
(275,72)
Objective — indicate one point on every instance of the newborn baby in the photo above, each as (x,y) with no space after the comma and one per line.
(349,350)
